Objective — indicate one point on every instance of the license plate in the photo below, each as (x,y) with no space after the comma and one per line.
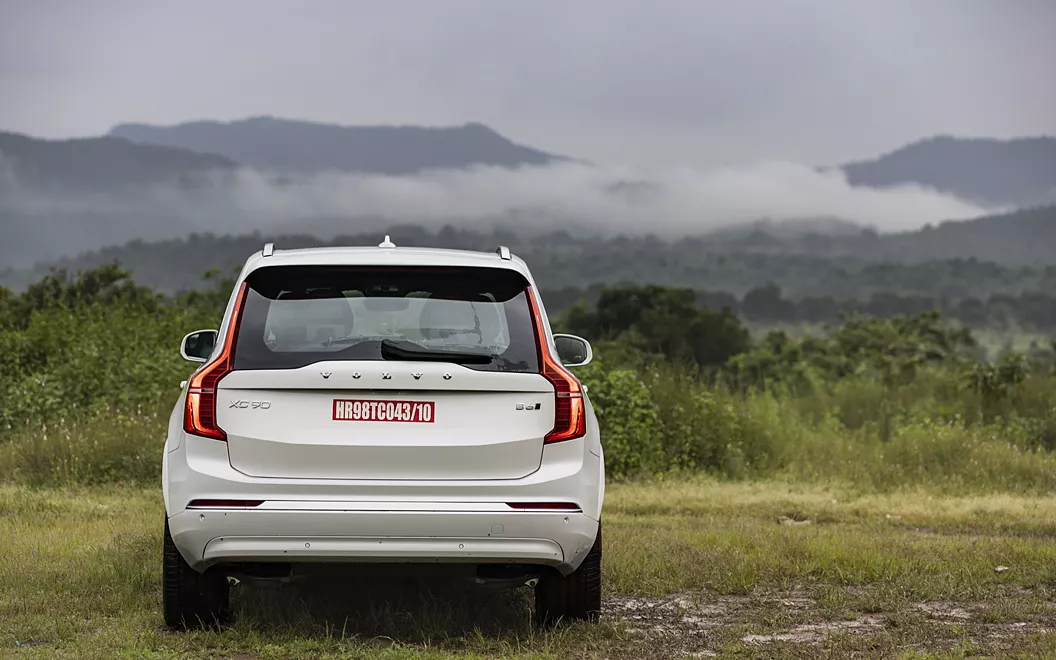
(370,410)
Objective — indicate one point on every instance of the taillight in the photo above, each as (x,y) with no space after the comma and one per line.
(199,415)
(570,420)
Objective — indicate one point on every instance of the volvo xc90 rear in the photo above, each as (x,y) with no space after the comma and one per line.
(383,404)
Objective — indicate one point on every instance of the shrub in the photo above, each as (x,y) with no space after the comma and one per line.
(91,369)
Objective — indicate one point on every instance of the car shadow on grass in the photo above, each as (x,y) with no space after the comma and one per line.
(398,604)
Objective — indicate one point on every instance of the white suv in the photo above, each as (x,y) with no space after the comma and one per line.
(383,404)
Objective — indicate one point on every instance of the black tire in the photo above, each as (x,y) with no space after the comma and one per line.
(191,599)
(576,597)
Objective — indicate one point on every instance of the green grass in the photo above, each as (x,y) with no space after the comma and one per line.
(690,566)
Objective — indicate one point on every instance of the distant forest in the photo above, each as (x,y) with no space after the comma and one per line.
(1005,254)
(766,305)
(763,287)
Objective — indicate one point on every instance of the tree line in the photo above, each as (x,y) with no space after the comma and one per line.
(768,304)
(805,266)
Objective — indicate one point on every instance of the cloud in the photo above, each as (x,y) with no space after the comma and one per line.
(608,200)
(669,202)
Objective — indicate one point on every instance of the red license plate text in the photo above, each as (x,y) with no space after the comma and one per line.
(368,410)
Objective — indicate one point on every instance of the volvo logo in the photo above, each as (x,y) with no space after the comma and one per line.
(385,375)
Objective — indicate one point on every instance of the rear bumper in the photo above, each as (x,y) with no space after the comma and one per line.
(208,537)
(329,520)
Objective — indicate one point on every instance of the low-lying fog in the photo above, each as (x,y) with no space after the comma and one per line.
(40,224)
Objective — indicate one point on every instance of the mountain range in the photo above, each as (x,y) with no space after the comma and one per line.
(300,147)
(993,173)
(63,197)
(100,164)
(1019,172)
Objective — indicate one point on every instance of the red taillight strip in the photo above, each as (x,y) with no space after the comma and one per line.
(199,415)
(543,506)
(570,419)
(223,504)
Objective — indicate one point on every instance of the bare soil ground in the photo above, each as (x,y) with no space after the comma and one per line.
(795,624)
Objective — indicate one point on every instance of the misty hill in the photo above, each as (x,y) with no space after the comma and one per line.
(1024,237)
(61,196)
(998,254)
(305,147)
(97,164)
(1020,172)
(779,231)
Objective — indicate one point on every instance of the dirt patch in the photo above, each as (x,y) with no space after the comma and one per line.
(682,615)
(942,610)
(675,614)
(813,633)
(701,626)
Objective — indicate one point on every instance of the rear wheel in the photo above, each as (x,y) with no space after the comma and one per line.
(191,599)
(572,597)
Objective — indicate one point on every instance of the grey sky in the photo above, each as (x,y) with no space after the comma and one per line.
(667,82)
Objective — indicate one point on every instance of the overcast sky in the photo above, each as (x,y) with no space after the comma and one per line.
(651,82)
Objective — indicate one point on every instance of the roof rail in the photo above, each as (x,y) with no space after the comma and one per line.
(269,249)
(504,253)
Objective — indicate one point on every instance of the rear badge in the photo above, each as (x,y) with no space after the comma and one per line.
(256,405)
(529,406)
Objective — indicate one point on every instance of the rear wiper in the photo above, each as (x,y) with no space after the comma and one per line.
(408,350)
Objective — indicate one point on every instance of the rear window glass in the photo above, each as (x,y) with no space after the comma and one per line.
(296,316)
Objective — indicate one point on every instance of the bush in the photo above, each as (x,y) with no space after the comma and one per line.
(91,370)
(661,418)
(74,352)
(627,412)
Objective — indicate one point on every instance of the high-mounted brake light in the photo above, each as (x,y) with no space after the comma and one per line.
(570,420)
(199,416)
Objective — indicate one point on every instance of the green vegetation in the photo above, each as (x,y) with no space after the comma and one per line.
(91,371)
(875,488)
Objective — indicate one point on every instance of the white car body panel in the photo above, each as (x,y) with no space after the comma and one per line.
(478,432)
(335,491)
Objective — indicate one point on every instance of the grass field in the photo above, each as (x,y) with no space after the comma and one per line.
(692,569)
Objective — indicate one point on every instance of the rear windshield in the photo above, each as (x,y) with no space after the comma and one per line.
(296,316)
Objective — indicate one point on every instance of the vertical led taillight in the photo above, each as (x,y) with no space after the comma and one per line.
(570,420)
(199,415)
